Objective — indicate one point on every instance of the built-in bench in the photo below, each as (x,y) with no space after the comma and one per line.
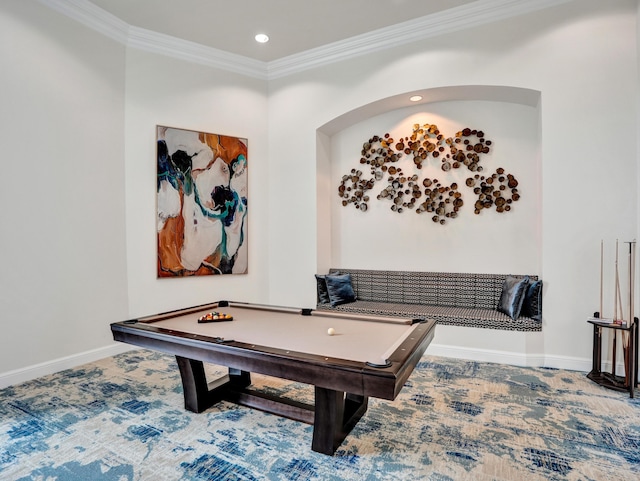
(456,299)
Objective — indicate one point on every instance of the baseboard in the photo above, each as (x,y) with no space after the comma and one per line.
(512,358)
(38,370)
(482,355)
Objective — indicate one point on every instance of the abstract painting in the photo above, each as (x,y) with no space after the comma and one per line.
(201,203)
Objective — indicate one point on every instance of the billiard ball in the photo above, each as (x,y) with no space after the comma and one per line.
(331,331)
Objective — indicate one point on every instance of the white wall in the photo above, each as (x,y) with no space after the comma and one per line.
(165,91)
(77,131)
(588,129)
(488,242)
(63,276)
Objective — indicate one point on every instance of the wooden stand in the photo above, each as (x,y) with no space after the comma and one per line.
(629,381)
(333,416)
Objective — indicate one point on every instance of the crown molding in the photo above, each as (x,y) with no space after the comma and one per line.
(92,17)
(194,52)
(452,20)
(95,18)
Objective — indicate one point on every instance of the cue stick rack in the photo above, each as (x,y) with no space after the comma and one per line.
(617,326)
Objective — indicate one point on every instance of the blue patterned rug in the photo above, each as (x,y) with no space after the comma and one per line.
(122,419)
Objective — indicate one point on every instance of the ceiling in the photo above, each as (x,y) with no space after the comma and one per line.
(294,26)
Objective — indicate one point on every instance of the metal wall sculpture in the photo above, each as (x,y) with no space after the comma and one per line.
(427,144)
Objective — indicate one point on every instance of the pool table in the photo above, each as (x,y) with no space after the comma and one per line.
(367,356)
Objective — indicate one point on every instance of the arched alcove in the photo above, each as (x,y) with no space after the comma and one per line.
(485,242)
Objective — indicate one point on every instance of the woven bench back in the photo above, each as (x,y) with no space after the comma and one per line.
(428,288)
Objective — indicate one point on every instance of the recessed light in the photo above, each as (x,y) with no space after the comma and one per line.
(415,98)
(262,38)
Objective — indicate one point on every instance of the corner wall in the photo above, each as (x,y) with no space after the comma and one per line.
(63,276)
(165,91)
(588,132)
(76,257)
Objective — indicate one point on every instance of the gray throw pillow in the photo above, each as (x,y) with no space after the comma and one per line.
(322,293)
(340,289)
(532,305)
(512,296)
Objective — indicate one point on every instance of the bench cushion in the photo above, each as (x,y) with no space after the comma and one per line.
(452,289)
(452,316)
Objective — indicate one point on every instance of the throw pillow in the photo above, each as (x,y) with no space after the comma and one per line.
(532,305)
(340,289)
(512,296)
(321,285)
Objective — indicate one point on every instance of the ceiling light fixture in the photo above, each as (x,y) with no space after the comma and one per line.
(415,98)
(262,38)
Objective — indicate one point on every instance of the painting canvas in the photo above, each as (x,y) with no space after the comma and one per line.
(201,203)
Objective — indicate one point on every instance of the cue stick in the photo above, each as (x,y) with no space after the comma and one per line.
(633,281)
(632,340)
(615,287)
(601,275)
(625,334)
(615,314)
(619,290)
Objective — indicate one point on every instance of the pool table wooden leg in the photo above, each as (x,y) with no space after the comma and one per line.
(239,379)
(336,413)
(200,395)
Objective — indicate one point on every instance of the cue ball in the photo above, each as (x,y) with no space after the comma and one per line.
(331,331)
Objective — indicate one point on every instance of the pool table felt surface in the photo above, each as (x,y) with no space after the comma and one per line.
(357,338)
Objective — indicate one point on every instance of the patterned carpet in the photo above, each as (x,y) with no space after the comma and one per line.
(122,419)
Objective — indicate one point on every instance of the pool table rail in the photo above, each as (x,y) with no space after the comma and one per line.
(343,374)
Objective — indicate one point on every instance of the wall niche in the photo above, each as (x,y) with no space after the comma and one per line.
(360,196)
